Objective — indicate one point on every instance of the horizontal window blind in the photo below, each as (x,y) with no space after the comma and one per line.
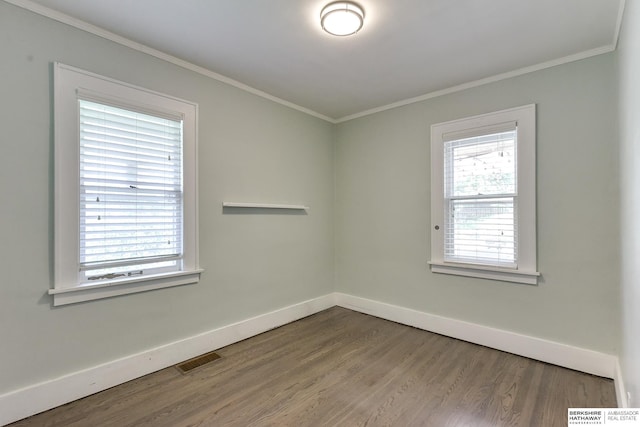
(481,199)
(131,203)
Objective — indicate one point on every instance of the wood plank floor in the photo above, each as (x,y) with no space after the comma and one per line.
(343,368)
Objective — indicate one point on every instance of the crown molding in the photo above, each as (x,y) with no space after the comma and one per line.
(108,35)
(481,82)
(93,29)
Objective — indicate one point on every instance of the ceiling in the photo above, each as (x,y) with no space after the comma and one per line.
(406,49)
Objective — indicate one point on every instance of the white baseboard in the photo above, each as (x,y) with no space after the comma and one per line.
(621,390)
(576,358)
(31,400)
(34,399)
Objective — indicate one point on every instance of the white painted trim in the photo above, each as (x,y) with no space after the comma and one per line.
(84,26)
(513,276)
(108,35)
(579,359)
(34,399)
(616,35)
(64,296)
(621,390)
(68,83)
(522,120)
(492,79)
(31,400)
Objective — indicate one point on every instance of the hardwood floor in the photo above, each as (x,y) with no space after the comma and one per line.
(343,368)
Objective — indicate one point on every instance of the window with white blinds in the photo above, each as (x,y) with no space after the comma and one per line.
(130,192)
(125,185)
(480,198)
(483,196)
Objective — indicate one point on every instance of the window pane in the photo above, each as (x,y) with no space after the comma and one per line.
(481,165)
(131,202)
(481,231)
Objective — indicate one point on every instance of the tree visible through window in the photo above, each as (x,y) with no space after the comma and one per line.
(480,193)
(483,196)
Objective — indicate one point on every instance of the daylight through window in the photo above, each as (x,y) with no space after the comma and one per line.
(130,192)
(125,166)
(480,193)
(483,196)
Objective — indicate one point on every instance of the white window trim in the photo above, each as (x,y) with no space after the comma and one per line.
(526,270)
(68,82)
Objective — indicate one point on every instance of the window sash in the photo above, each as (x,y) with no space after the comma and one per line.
(523,120)
(482,231)
(480,196)
(131,192)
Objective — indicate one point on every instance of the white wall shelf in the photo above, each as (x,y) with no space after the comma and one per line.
(263,206)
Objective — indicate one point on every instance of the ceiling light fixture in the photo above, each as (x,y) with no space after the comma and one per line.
(342,18)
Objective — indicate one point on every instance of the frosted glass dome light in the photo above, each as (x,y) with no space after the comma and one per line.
(342,18)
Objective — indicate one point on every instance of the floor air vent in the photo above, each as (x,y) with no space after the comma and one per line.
(196,362)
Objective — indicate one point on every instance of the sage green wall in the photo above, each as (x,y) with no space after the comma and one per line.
(629,72)
(250,149)
(383,208)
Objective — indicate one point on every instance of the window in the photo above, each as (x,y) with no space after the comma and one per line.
(125,188)
(483,196)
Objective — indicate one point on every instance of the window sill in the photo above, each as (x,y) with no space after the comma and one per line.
(63,296)
(505,275)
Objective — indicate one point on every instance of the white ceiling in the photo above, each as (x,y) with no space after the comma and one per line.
(406,49)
